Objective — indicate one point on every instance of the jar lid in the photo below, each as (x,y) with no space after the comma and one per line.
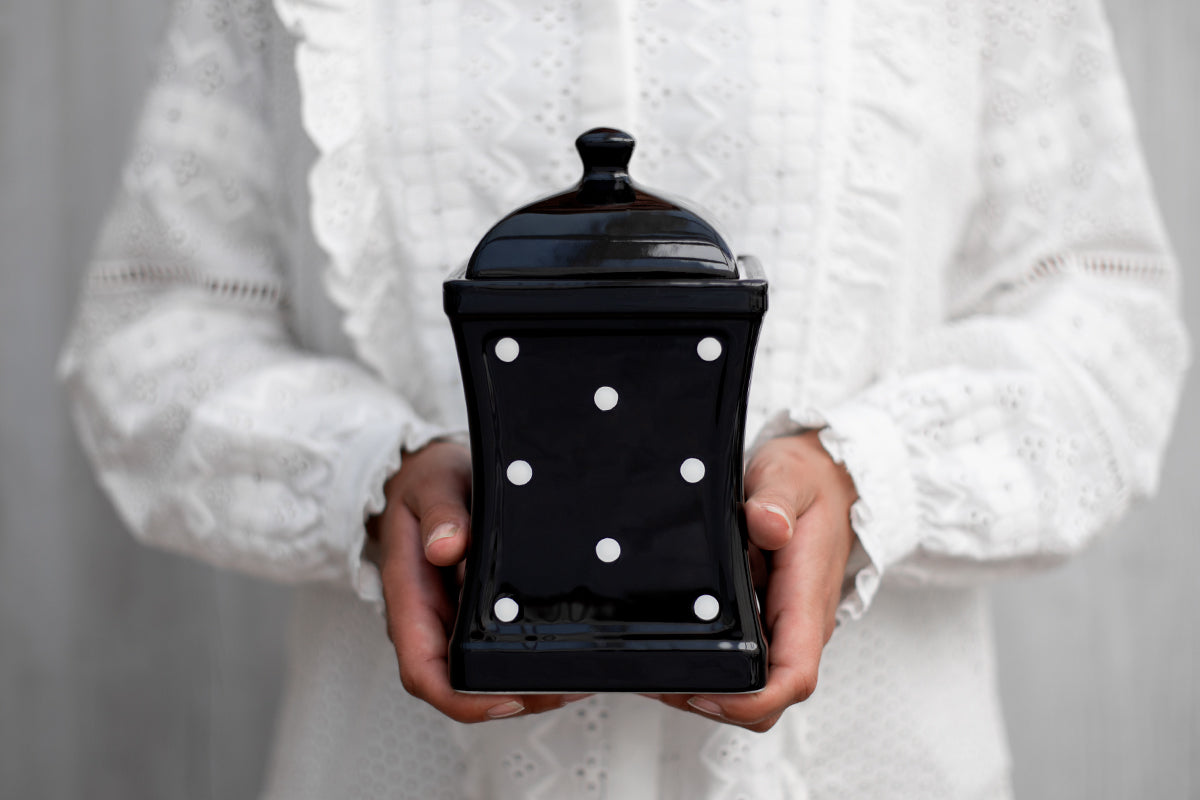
(604,227)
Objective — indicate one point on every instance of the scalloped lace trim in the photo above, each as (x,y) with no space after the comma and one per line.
(874,523)
(333,119)
(864,571)
(366,244)
(364,574)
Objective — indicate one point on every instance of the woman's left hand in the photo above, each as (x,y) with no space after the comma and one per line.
(798,507)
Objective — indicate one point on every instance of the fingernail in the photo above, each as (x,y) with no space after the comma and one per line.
(779,512)
(506,709)
(705,705)
(443,531)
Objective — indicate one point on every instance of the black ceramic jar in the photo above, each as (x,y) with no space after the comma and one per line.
(606,336)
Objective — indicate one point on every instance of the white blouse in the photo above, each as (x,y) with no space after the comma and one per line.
(971,293)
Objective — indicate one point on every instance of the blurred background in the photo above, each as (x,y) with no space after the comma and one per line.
(127,673)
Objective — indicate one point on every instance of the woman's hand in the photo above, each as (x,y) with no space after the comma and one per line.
(798,506)
(423,529)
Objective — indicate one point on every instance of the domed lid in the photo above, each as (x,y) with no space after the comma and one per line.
(604,227)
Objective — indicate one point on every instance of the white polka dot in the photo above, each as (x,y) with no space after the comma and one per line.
(606,398)
(709,349)
(706,607)
(519,472)
(692,470)
(506,609)
(608,550)
(507,349)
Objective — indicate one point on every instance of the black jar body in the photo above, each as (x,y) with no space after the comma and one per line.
(607,407)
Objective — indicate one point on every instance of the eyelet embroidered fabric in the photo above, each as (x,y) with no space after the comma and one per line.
(971,294)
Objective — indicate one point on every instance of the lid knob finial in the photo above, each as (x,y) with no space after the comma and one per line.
(605,153)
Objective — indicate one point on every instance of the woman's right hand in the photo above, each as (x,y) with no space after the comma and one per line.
(423,530)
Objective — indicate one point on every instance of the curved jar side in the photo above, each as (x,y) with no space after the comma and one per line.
(569,620)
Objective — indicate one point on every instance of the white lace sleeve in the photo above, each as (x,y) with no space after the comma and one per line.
(211,431)
(1027,423)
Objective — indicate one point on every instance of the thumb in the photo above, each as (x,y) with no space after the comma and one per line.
(776,497)
(438,501)
(444,529)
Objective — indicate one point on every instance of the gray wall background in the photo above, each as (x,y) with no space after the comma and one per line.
(126,673)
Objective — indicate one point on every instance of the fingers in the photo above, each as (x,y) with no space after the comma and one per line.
(805,575)
(795,614)
(419,616)
(802,596)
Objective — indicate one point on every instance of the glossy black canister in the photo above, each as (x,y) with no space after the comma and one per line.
(606,336)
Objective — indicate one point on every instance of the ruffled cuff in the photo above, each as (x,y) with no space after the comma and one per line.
(870,446)
(370,459)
